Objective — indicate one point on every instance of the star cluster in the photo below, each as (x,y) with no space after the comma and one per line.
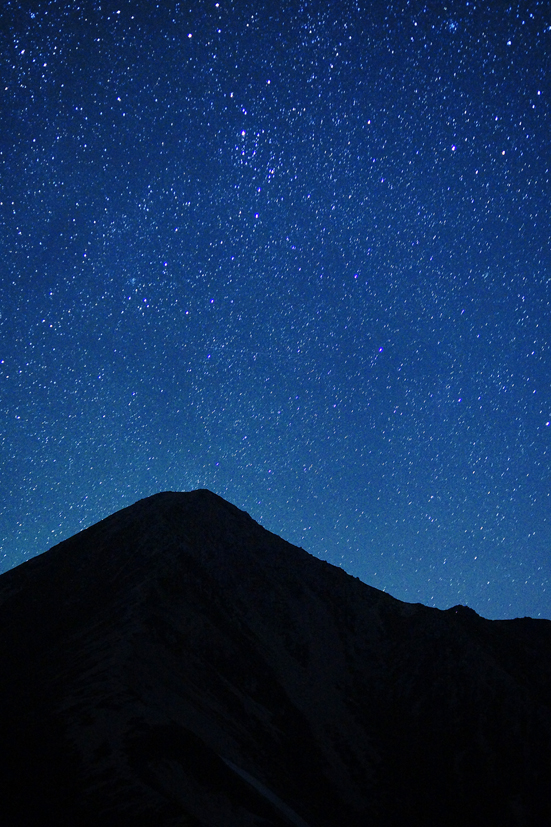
(297,255)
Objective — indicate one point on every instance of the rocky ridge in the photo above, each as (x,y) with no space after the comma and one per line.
(177,664)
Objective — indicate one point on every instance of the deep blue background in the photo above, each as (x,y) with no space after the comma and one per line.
(298,257)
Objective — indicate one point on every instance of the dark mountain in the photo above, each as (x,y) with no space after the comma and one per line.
(177,664)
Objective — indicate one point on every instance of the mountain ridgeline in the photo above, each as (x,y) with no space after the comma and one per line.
(177,664)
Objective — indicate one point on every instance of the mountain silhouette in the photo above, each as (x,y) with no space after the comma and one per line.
(178,664)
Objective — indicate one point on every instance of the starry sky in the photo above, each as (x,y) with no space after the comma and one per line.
(296,253)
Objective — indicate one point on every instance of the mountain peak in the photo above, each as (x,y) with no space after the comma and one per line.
(185,666)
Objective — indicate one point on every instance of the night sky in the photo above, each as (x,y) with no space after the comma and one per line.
(296,253)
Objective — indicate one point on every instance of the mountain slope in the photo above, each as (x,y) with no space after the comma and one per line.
(177,664)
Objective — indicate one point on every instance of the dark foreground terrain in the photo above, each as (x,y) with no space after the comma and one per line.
(177,664)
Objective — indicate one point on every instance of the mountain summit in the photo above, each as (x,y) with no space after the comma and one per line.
(177,664)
